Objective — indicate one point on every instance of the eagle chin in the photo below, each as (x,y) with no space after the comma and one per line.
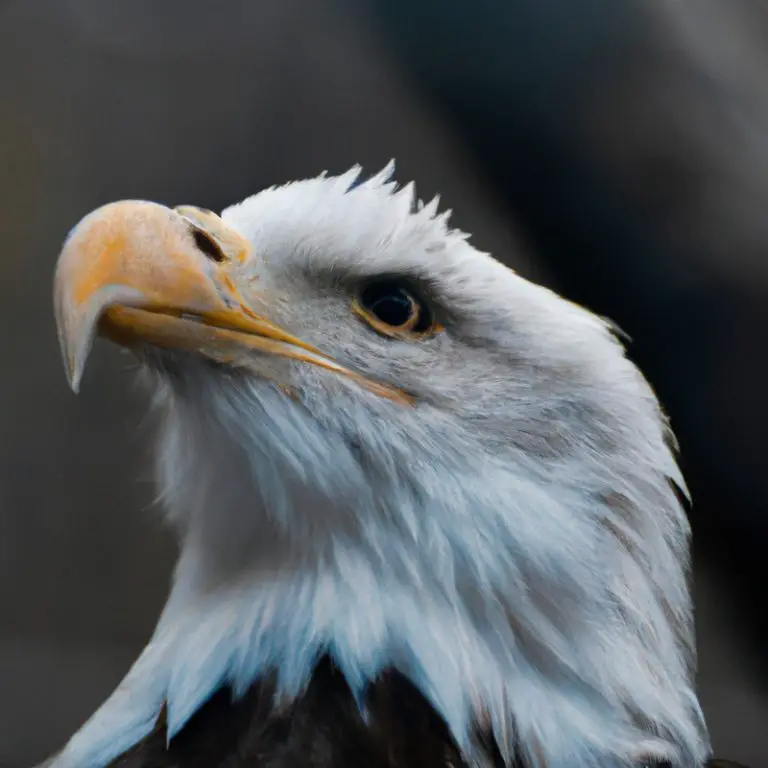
(429,513)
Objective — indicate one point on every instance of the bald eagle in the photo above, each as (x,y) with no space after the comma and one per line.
(429,513)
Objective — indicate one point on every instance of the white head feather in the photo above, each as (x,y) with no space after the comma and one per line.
(513,543)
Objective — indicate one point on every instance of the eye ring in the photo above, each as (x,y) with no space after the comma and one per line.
(394,309)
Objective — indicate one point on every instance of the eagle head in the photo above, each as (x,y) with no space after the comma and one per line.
(381,444)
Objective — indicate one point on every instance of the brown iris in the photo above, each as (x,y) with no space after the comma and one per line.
(394,309)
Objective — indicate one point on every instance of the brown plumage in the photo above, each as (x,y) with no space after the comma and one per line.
(323,728)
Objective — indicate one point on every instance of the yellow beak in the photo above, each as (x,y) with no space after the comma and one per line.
(138,272)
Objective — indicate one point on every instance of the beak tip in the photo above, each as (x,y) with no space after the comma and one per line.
(71,372)
(75,348)
(73,379)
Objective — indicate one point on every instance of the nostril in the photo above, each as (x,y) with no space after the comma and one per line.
(208,246)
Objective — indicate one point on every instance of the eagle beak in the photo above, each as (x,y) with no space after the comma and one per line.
(140,273)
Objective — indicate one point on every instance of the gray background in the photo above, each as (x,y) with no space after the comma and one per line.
(203,103)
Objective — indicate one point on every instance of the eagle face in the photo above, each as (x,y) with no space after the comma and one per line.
(378,440)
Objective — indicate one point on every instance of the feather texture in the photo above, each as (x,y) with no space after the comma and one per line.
(513,546)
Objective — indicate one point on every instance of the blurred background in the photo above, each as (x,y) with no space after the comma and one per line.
(616,150)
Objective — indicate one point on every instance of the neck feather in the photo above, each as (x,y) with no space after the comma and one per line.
(470,585)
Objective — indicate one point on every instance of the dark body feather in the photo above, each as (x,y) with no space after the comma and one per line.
(322,729)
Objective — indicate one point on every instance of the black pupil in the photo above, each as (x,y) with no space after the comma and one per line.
(394,305)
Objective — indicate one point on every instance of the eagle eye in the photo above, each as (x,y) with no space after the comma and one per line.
(395,309)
